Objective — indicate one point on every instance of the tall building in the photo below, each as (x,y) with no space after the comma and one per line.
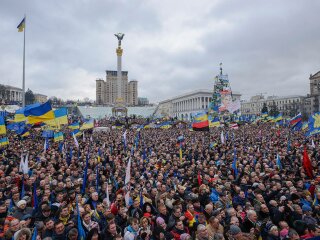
(314,96)
(133,92)
(116,90)
(106,91)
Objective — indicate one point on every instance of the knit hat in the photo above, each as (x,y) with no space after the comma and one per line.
(234,230)
(269,225)
(306,208)
(184,236)
(21,202)
(160,220)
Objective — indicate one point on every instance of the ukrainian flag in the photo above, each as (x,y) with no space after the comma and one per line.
(3,129)
(76,132)
(215,122)
(264,115)
(61,115)
(58,137)
(19,115)
(74,125)
(60,118)
(278,118)
(165,125)
(25,134)
(4,141)
(22,25)
(87,125)
(305,126)
(39,114)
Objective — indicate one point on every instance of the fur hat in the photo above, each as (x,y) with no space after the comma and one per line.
(20,233)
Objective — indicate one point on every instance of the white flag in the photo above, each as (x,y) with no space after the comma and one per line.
(108,198)
(222,138)
(125,137)
(126,181)
(21,166)
(26,165)
(45,145)
(128,172)
(312,144)
(75,140)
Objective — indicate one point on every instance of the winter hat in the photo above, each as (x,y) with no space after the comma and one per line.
(306,208)
(21,202)
(234,230)
(160,220)
(184,236)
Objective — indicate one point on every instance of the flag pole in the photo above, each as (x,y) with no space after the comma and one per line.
(23,71)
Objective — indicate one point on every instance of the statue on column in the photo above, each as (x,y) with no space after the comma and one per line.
(120,37)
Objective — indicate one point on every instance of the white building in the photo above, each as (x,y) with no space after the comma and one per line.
(288,105)
(187,105)
(10,94)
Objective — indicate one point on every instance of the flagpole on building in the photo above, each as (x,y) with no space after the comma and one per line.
(23,71)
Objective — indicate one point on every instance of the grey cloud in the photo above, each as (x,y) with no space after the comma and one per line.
(170,47)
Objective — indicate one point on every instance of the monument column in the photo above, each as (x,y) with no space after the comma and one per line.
(119,52)
(120,102)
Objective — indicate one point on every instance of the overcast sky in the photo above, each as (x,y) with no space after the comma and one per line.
(170,46)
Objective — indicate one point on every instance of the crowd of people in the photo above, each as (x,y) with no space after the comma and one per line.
(230,188)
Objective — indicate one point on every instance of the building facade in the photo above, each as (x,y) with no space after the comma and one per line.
(10,94)
(40,98)
(106,91)
(288,105)
(143,101)
(187,105)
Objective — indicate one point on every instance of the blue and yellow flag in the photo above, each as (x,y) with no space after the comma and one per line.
(19,114)
(74,125)
(4,141)
(22,25)
(87,125)
(264,115)
(278,118)
(214,122)
(3,129)
(304,126)
(60,118)
(165,125)
(41,113)
(58,136)
(25,134)
(76,132)
(314,121)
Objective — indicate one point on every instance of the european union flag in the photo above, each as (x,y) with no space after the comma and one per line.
(48,134)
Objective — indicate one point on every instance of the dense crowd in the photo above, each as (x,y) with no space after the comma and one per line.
(203,195)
